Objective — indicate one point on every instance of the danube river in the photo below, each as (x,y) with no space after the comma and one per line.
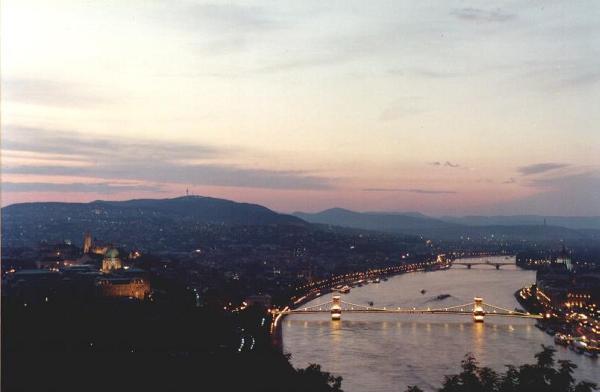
(387,352)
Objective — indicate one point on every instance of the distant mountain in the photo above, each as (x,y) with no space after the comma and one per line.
(408,213)
(468,228)
(570,222)
(118,221)
(382,221)
(185,223)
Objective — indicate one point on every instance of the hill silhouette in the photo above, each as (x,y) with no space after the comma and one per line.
(122,221)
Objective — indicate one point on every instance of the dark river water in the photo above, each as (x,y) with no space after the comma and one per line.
(387,352)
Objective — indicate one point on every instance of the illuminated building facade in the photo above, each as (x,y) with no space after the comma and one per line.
(90,248)
(87,242)
(111,260)
(135,287)
(564,258)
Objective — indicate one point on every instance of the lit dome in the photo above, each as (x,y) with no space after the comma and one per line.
(112,253)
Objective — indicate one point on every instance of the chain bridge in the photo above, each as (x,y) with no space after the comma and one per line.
(478,309)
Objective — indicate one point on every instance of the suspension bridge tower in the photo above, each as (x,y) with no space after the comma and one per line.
(478,312)
(336,308)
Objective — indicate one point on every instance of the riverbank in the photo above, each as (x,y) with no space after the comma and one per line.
(566,332)
(313,291)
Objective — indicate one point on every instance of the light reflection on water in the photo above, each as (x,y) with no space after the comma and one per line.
(386,352)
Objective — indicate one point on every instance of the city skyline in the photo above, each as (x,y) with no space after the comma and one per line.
(454,108)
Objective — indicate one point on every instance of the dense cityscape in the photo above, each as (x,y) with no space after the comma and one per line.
(233,283)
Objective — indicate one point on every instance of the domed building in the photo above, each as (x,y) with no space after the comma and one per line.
(565,258)
(111,260)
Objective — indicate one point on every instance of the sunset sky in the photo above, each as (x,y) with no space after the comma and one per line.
(442,107)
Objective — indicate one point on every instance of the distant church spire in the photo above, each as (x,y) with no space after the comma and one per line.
(187,191)
(87,242)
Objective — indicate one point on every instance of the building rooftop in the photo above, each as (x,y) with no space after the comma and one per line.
(35,272)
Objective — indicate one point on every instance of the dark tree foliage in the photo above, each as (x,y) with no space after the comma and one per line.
(314,379)
(125,346)
(546,375)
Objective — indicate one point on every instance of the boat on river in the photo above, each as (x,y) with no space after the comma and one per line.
(578,345)
(561,339)
(344,290)
(442,296)
(592,351)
